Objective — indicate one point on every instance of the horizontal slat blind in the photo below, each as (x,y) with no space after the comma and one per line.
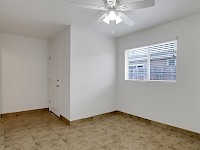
(156,62)
(137,63)
(163,61)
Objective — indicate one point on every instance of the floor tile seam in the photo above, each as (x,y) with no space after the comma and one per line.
(55,132)
(97,143)
(18,149)
(59,137)
(13,143)
(112,143)
(31,136)
(33,127)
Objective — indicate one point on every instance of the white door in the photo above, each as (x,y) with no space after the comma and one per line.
(54,81)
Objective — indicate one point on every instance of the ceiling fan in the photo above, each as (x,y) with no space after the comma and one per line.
(115,8)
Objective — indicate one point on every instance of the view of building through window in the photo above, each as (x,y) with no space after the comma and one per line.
(156,62)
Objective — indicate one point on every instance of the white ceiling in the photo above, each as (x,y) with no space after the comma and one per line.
(44,18)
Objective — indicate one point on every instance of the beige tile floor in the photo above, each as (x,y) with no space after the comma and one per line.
(44,131)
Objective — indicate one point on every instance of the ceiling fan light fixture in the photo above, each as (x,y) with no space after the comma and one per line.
(115,9)
(112,15)
(106,20)
(118,20)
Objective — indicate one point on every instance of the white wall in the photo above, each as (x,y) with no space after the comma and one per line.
(24,73)
(0,80)
(93,74)
(176,104)
(62,40)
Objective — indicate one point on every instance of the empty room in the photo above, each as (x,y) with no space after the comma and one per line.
(99,75)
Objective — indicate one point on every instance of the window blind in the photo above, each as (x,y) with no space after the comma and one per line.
(155,62)
(137,64)
(163,61)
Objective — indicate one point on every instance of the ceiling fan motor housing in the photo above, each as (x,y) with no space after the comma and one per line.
(111,2)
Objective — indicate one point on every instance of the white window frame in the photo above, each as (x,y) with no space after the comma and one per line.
(149,74)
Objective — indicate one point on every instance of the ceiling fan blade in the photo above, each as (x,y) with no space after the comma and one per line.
(126,19)
(137,5)
(88,6)
(102,18)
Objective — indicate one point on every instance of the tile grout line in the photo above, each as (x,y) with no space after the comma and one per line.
(97,143)
(30,133)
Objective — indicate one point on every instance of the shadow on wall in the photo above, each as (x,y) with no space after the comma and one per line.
(93,101)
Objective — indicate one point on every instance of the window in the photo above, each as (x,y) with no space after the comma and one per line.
(155,62)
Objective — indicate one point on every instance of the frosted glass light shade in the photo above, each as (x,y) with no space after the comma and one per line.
(118,20)
(112,15)
(106,20)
